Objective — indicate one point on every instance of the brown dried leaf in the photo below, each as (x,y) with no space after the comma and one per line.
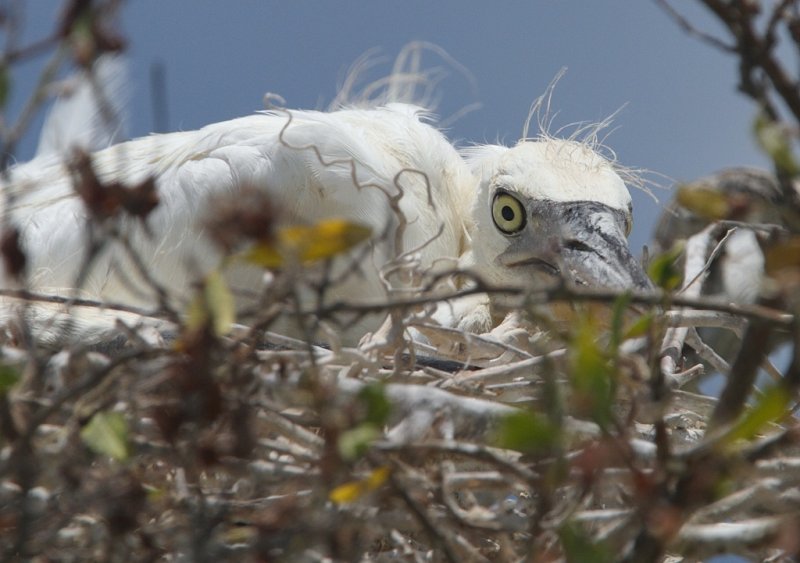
(14,258)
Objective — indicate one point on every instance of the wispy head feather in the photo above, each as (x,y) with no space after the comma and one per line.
(587,134)
(410,81)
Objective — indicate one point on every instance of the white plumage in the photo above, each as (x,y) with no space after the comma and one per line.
(514,215)
(736,272)
(91,110)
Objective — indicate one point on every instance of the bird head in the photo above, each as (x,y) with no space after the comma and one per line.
(552,209)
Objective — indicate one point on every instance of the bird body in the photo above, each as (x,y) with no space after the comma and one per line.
(513,215)
(223,158)
(734,272)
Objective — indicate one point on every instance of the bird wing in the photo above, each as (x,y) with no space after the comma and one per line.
(313,165)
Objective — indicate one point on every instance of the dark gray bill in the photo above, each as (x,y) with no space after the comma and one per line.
(584,242)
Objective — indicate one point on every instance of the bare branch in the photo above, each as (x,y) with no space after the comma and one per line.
(690,29)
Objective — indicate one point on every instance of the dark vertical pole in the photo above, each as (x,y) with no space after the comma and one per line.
(158,97)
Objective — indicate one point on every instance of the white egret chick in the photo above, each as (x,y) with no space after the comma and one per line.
(526,214)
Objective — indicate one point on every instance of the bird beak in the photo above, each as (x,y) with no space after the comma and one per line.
(583,242)
(607,262)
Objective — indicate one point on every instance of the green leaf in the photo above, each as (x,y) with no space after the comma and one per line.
(214,303)
(664,271)
(354,443)
(772,406)
(618,318)
(704,201)
(8,378)
(579,548)
(775,139)
(640,326)
(592,376)
(107,434)
(528,432)
(378,406)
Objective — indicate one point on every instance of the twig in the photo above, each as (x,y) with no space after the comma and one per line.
(742,374)
(537,296)
(735,537)
(690,29)
(438,536)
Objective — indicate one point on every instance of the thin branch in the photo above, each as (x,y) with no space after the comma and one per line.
(690,29)
(741,378)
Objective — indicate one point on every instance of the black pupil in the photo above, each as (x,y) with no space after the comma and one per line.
(507,213)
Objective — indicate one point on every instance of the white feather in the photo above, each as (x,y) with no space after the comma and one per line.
(91,110)
(314,165)
(384,149)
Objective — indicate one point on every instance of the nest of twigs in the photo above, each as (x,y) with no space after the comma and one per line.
(197,440)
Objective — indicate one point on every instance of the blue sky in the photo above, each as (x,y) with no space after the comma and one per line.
(681,117)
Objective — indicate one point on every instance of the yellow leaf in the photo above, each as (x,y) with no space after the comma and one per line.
(354,490)
(240,534)
(264,254)
(347,492)
(220,303)
(107,434)
(214,303)
(784,255)
(704,202)
(378,477)
(308,243)
(325,239)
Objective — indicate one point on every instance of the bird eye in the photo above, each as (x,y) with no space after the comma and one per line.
(508,213)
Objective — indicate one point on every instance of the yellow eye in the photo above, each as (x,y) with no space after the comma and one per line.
(508,213)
